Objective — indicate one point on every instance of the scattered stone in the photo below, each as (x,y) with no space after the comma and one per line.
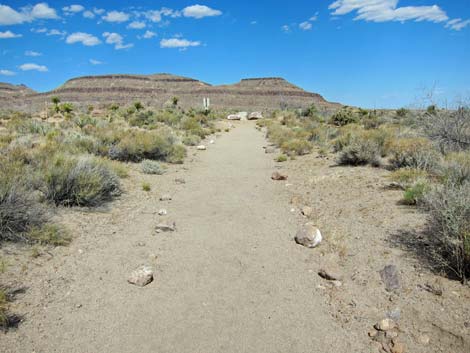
(389,275)
(78,306)
(278,176)
(394,314)
(307,211)
(166,227)
(255,116)
(201,148)
(165,197)
(372,333)
(308,236)
(398,347)
(233,117)
(329,274)
(424,339)
(211,142)
(391,334)
(141,276)
(269,149)
(385,325)
(162,212)
(180,181)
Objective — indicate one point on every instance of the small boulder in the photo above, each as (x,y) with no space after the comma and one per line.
(269,149)
(201,148)
(141,276)
(307,211)
(385,325)
(389,275)
(278,176)
(162,212)
(211,142)
(165,197)
(166,227)
(233,117)
(255,116)
(308,236)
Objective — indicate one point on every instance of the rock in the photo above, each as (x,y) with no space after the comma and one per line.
(329,274)
(233,117)
(141,276)
(385,325)
(307,211)
(424,339)
(255,116)
(398,347)
(165,197)
(389,275)
(201,148)
(394,314)
(372,333)
(162,212)
(269,149)
(336,284)
(211,142)
(278,176)
(180,181)
(308,236)
(166,227)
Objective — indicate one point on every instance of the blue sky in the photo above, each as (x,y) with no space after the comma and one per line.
(370,53)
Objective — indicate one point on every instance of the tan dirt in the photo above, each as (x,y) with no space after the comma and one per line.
(231,278)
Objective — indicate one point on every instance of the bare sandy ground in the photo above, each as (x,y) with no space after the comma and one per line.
(231,278)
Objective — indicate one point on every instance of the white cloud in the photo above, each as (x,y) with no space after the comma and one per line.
(32,53)
(136,25)
(285,29)
(387,10)
(9,16)
(95,62)
(7,72)
(56,32)
(157,15)
(117,40)
(116,16)
(305,26)
(457,24)
(35,67)
(149,34)
(88,14)
(98,11)
(84,38)
(9,34)
(39,30)
(73,8)
(178,43)
(254,22)
(200,11)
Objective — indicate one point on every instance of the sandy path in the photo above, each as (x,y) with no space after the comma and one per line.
(229,280)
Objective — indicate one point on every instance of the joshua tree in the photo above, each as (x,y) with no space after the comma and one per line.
(175,100)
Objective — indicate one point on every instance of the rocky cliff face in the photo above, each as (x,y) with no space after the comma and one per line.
(157,90)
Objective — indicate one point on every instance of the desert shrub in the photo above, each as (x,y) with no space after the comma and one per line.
(449,129)
(402,112)
(344,117)
(360,152)
(297,147)
(142,119)
(194,126)
(30,126)
(406,177)
(415,193)
(456,167)
(83,181)
(281,158)
(156,145)
(151,167)
(49,234)
(449,227)
(84,120)
(146,187)
(191,140)
(414,152)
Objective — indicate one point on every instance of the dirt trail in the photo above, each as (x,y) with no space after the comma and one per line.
(230,279)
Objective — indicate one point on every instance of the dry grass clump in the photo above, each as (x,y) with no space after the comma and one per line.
(151,167)
(360,152)
(414,152)
(456,167)
(449,227)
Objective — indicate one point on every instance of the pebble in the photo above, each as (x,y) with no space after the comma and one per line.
(141,276)
(165,197)
(307,211)
(162,212)
(385,325)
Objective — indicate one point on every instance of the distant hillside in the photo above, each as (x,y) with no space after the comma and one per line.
(157,90)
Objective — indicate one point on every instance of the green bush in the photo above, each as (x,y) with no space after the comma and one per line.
(191,140)
(344,117)
(297,147)
(83,181)
(415,193)
(281,158)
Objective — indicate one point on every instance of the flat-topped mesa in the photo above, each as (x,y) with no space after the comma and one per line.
(9,91)
(157,90)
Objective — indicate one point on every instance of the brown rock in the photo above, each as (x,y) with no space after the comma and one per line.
(385,325)
(278,176)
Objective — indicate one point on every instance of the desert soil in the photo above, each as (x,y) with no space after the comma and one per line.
(231,278)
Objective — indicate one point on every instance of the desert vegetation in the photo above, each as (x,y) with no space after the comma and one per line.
(74,158)
(426,151)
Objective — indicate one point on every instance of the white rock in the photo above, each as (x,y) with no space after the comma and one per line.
(385,325)
(162,212)
(166,227)
(211,142)
(255,116)
(233,117)
(165,197)
(201,148)
(141,276)
(308,236)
